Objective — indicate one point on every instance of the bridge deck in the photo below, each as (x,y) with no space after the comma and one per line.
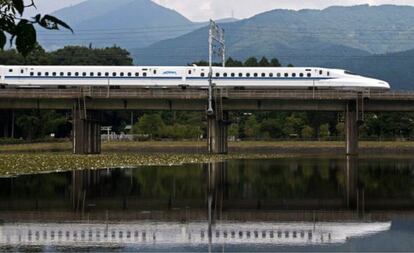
(195,99)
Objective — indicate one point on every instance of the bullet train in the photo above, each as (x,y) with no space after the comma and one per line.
(190,76)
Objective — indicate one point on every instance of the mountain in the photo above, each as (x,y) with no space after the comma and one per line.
(395,68)
(126,23)
(305,37)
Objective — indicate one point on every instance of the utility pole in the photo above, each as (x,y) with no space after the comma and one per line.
(216,36)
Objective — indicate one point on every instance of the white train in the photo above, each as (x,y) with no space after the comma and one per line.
(191,76)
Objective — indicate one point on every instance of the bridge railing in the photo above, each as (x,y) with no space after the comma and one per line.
(196,94)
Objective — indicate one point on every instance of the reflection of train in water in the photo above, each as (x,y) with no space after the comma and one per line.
(289,233)
(191,76)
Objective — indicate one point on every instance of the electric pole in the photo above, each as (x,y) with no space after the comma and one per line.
(216,37)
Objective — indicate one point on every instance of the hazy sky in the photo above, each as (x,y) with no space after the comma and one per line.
(202,10)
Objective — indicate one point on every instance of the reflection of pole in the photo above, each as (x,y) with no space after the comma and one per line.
(352,192)
(210,232)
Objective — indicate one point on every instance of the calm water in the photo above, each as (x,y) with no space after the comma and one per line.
(292,204)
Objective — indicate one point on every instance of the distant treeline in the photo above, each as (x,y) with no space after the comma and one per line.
(36,124)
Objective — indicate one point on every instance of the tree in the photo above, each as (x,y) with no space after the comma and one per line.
(294,125)
(151,124)
(275,63)
(340,129)
(252,127)
(272,128)
(20,30)
(233,63)
(324,131)
(251,62)
(234,130)
(307,132)
(264,62)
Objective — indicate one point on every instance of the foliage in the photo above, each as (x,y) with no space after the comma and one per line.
(151,124)
(21,30)
(252,127)
(324,131)
(307,132)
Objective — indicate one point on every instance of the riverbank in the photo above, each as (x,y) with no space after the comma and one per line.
(267,147)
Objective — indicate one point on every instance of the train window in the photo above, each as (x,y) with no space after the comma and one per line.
(21,71)
(279,75)
(320,72)
(84,74)
(255,74)
(99,73)
(225,74)
(247,74)
(270,74)
(155,72)
(144,74)
(217,74)
(202,74)
(46,73)
(39,73)
(62,74)
(233,74)
(328,73)
(122,74)
(189,72)
(129,74)
(54,74)
(76,73)
(136,74)
(114,74)
(309,74)
(293,74)
(263,74)
(240,74)
(10,70)
(286,75)
(31,74)
(91,74)
(69,73)
(301,74)
(106,73)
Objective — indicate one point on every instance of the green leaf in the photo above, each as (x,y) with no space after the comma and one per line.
(53,23)
(3,40)
(25,38)
(19,5)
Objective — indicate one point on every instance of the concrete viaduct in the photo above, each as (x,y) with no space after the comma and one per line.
(87,102)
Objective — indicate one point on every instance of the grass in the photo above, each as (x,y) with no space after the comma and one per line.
(200,146)
(20,164)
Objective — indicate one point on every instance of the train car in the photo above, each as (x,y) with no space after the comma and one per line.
(190,76)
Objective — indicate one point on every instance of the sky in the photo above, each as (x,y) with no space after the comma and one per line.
(202,10)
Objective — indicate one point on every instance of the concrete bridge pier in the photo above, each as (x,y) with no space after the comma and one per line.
(86,131)
(217,133)
(7,123)
(352,125)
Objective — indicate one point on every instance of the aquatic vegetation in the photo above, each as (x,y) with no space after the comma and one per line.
(19,164)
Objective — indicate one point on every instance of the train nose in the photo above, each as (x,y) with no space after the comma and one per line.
(384,85)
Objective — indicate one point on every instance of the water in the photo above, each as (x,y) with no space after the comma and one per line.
(291,204)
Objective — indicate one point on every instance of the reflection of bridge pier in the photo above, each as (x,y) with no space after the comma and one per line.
(355,194)
(82,181)
(217,182)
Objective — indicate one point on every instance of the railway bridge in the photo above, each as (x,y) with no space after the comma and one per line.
(86,103)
